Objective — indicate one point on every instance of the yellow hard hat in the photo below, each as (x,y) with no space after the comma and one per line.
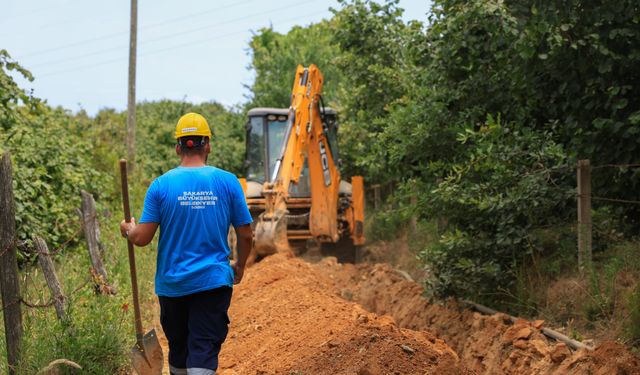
(192,124)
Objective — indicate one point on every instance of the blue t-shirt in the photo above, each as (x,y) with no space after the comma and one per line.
(194,207)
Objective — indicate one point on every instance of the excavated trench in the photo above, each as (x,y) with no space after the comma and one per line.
(486,344)
(289,316)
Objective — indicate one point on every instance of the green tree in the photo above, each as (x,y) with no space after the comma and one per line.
(275,56)
(156,132)
(51,158)
(510,184)
(561,73)
(372,40)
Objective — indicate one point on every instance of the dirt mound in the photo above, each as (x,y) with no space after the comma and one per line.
(286,319)
(485,344)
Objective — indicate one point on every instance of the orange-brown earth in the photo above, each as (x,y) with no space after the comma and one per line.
(485,344)
(292,317)
(287,319)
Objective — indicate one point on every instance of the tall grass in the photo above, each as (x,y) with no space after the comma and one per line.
(98,331)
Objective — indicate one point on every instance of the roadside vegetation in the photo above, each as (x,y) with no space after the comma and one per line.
(55,155)
(479,112)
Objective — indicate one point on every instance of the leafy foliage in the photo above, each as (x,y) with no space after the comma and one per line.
(567,67)
(561,75)
(51,159)
(512,182)
(275,56)
(156,123)
(372,40)
(416,102)
(12,95)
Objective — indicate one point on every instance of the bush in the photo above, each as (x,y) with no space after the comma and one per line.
(510,184)
(99,330)
(386,225)
(51,158)
(155,131)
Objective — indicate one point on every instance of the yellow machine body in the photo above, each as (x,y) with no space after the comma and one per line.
(293,154)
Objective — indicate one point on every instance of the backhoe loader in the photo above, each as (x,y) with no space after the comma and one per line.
(292,185)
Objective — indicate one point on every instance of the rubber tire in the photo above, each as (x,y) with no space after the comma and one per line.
(344,250)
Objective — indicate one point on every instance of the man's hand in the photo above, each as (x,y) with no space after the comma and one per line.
(238,272)
(126,228)
(139,235)
(245,238)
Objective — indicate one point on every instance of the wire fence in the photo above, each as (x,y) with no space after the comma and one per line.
(620,166)
(609,199)
(23,246)
(52,301)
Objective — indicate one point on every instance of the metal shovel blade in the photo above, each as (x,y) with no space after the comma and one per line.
(146,355)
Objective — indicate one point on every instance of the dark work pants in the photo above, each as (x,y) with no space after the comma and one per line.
(196,325)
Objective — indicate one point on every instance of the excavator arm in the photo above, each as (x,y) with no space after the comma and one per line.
(305,138)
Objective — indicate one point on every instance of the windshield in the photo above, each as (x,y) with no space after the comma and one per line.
(332,124)
(276,129)
(255,150)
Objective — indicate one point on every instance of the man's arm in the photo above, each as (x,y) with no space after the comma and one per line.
(245,243)
(139,235)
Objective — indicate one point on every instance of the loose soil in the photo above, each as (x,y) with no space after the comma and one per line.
(292,317)
(285,319)
(485,344)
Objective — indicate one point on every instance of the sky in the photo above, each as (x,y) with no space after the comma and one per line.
(194,50)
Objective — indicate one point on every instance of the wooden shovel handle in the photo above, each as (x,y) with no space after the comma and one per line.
(132,256)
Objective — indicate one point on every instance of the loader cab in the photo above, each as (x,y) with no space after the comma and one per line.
(266,130)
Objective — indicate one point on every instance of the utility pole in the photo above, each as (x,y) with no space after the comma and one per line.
(131,103)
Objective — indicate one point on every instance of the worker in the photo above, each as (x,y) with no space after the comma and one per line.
(194,205)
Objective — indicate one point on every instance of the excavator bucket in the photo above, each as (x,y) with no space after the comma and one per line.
(271,235)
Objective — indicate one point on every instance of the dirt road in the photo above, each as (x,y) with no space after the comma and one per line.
(292,317)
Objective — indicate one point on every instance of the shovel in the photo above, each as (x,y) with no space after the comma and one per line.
(146,354)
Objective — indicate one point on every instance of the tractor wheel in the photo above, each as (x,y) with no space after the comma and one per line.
(344,250)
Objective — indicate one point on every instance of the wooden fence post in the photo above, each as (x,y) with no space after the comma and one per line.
(90,223)
(584,215)
(376,196)
(9,282)
(441,222)
(49,271)
(92,234)
(413,222)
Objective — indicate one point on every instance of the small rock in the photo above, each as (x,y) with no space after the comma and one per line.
(346,294)
(332,344)
(516,333)
(520,344)
(408,349)
(477,323)
(559,353)
(537,324)
(540,347)
(504,317)
(370,368)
